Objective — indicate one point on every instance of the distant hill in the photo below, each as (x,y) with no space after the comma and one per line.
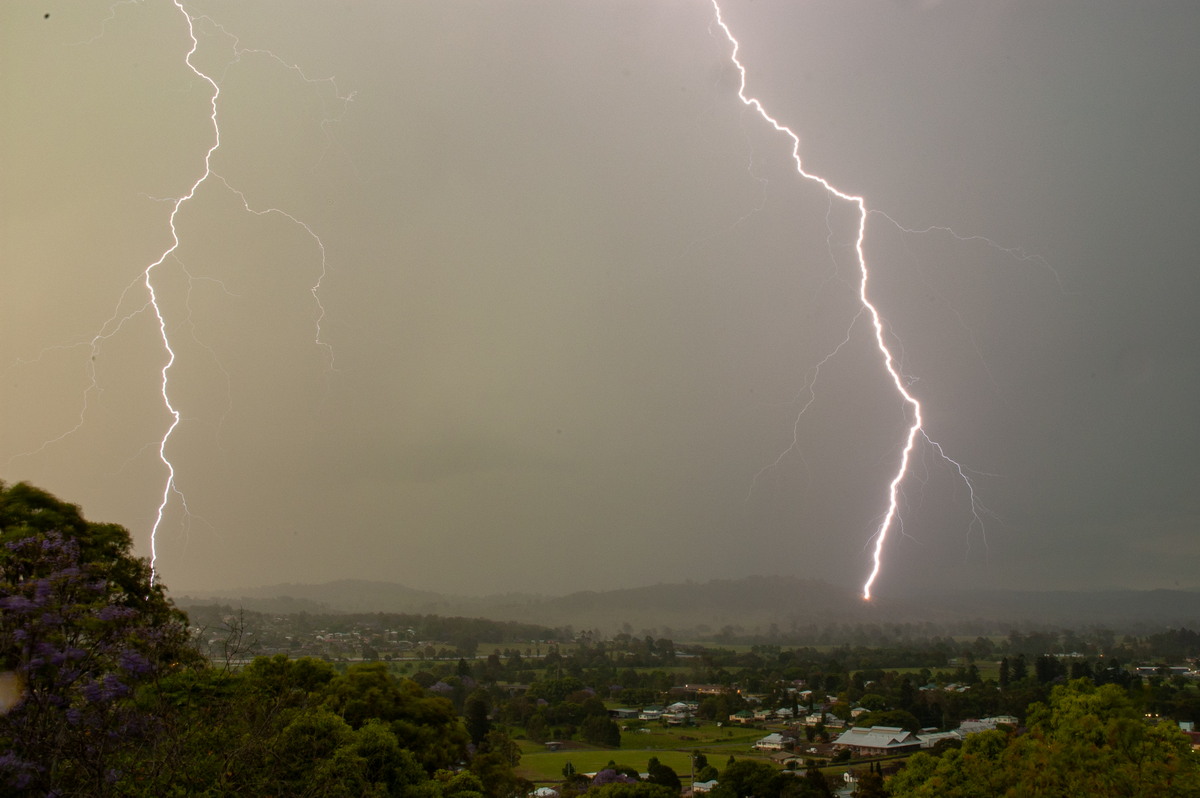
(345,595)
(780,608)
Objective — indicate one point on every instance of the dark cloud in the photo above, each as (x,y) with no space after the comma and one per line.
(575,294)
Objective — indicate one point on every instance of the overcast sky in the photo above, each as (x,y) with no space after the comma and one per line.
(575,294)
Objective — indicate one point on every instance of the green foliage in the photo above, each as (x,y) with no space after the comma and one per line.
(760,780)
(1087,741)
(873,702)
(114,702)
(890,717)
(641,789)
(424,724)
(870,785)
(658,773)
(475,713)
(494,764)
(600,730)
(555,691)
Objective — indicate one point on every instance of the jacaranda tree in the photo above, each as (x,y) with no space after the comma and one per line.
(81,628)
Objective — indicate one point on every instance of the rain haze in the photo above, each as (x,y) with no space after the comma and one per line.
(520,296)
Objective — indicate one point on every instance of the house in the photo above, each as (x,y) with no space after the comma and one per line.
(878,740)
(651,713)
(972,726)
(703,786)
(787,760)
(623,713)
(678,714)
(774,742)
(745,716)
(930,739)
(702,689)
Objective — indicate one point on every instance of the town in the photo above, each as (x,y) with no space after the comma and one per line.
(573,704)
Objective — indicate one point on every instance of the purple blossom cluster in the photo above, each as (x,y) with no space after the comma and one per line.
(80,649)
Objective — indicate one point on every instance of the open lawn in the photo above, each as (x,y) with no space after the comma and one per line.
(673,747)
(548,766)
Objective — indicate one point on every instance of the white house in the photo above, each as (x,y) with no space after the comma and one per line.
(773,742)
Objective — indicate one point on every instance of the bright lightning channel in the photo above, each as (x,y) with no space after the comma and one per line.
(147,277)
(916,427)
(169,487)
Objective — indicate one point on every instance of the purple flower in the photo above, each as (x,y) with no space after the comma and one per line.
(91,692)
(134,662)
(114,687)
(16,603)
(113,613)
(42,590)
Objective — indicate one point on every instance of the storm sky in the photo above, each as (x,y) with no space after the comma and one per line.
(575,295)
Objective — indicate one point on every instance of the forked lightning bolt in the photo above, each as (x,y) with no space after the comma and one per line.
(146,279)
(916,425)
(169,487)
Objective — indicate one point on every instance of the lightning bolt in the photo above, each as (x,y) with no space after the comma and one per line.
(169,486)
(891,516)
(127,307)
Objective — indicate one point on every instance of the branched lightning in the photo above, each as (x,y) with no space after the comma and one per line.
(170,488)
(315,288)
(125,311)
(809,388)
(891,517)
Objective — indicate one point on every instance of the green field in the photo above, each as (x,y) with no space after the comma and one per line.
(673,748)
(548,766)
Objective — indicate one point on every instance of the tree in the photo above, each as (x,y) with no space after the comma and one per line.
(81,629)
(870,785)
(475,713)
(1088,741)
(630,790)
(600,730)
(890,717)
(749,778)
(818,786)
(873,702)
(658,773)
(424,724)
(494,763)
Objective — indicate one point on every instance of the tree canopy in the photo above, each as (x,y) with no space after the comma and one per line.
(102,693)
(1087,741)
